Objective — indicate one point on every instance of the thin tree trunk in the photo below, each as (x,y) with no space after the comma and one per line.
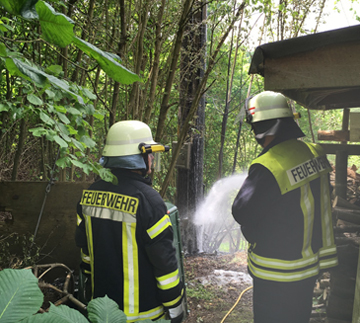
(17,158)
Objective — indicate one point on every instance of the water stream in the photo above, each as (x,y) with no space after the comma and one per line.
(213,218)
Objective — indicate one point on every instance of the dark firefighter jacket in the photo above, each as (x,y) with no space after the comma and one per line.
(126,237)
(284,211)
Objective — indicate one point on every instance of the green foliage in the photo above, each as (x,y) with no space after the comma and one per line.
(198,291)
(55,109)
(21,298)
(18,251)
(57,29)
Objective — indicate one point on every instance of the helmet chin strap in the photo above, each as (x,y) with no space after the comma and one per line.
(146,160)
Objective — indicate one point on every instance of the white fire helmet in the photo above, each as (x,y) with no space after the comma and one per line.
(128,144)
(267,105)
(124,137)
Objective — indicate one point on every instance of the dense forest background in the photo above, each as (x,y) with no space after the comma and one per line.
(70,69)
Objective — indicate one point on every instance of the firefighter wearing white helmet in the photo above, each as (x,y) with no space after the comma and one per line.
(284,211)
(129,144)
(125,233)
(269,114)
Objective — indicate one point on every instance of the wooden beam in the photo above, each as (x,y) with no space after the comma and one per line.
(333,135)
(348,215)
(333,66)
(331,149)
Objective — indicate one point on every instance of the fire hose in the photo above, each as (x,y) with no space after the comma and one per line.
(237,301)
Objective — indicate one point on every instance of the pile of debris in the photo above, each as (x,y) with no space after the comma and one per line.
(346,216)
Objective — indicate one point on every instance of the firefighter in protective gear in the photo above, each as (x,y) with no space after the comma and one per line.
(284,211)
(125,233)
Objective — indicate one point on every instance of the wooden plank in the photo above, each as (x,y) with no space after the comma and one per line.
(331,149)
(327,67)
(339,201)
(333,135)
(355,126)
(348,215)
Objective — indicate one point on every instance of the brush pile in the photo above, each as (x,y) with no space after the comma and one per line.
(338,292)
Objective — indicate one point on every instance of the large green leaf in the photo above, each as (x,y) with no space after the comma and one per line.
(61,142)
(107,62)
(24,8)
(58,314)
(35,100)
(16,67)
(104,309)
(20,295)
(3,52)
(56,28)
(19,68)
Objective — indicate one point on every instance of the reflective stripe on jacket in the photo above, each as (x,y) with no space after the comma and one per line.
(301,166)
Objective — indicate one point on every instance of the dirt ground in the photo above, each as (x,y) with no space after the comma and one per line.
(213,285)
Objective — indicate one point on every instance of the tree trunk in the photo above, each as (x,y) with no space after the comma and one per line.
(190,181)
(19,149)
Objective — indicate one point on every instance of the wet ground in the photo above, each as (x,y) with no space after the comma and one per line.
(214,283)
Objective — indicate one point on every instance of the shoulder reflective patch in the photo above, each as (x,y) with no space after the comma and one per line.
(310,168)
(110,200)
(159,227)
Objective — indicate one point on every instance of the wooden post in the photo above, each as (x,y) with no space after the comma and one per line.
(341,173)
(356,308)
(341,161)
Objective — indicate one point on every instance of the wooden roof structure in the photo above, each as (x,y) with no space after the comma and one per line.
(319,71)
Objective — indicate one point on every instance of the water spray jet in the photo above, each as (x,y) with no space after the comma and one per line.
(213,219)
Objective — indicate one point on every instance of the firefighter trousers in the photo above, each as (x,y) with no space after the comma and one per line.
(282,302)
